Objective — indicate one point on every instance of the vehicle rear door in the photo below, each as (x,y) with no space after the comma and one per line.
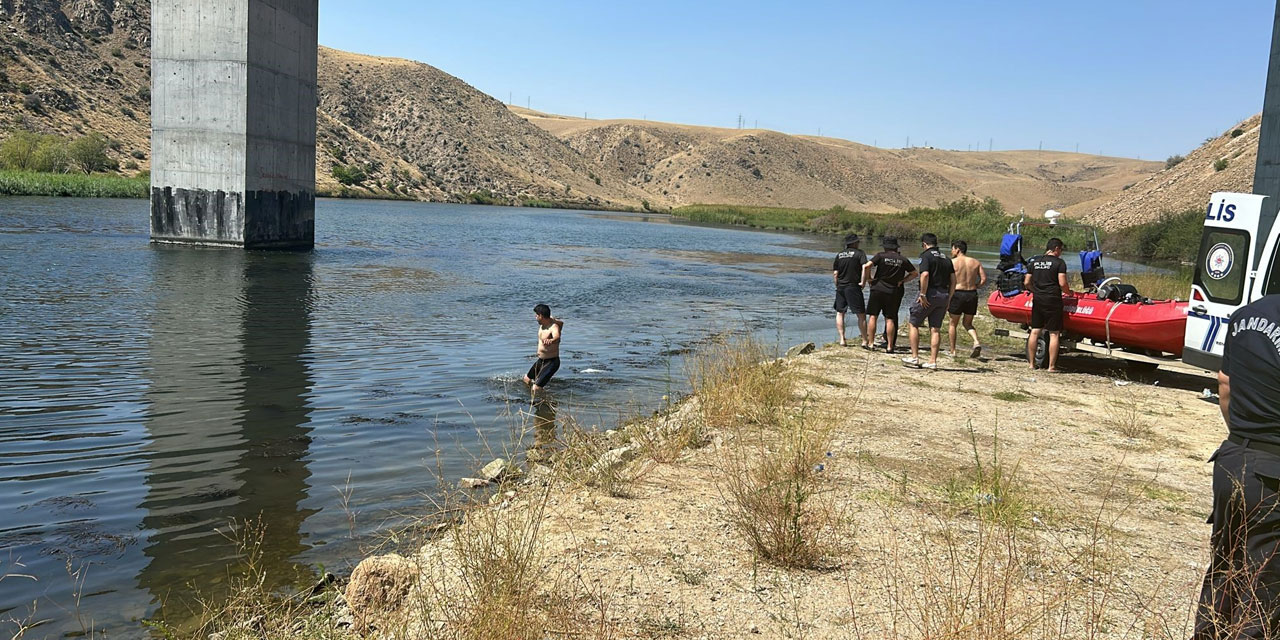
(1224,277)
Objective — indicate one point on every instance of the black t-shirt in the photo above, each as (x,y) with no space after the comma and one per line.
(1251,357)
(938,267)
(891,269)
(1044,272)
(848,267)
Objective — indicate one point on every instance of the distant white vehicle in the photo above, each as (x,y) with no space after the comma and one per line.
(1236,265)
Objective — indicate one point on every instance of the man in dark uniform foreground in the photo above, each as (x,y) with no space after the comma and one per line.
(892,269)
(1241,593)
(846,273)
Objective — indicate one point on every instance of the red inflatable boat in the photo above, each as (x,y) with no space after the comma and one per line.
(1156,325)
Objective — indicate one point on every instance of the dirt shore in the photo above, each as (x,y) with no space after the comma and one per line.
(1094,528)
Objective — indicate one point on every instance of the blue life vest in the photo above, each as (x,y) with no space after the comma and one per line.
(1089,260)
(1010,244)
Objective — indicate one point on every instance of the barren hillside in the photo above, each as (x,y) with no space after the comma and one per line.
(74,67)
(1223,163)
(683,164)
(451,139)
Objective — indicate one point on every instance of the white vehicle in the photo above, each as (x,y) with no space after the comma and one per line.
(1236,265)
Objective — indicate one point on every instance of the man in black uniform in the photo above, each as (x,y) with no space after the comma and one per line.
(892,269)
(1047,280)
(846,272)
(1241,593)
(936,289)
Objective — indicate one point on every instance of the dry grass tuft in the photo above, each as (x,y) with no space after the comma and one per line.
(778,494)
(595,459)
(489,578)
(992,488)
(1127,412)
(738,381)
(774,456)
(251,610)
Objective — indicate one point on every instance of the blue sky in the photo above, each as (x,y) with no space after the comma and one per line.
(1125,77)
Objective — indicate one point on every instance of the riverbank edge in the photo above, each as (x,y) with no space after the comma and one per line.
(377,574)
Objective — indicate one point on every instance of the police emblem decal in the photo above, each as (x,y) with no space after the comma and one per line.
(1219,262)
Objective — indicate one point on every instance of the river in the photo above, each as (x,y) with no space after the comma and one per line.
(153,396)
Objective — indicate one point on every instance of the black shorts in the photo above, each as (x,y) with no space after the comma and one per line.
(542,370)
(1046,315)
(850,298)
(887,303)
(964,303)
(934,313)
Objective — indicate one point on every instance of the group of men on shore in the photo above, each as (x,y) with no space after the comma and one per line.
(948,285)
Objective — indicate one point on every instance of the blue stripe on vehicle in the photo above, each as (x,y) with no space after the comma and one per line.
(1210,334)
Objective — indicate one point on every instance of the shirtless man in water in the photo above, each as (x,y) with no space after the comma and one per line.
(548,349)
(970,276)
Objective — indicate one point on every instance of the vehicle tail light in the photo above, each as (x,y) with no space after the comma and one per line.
(1196,295)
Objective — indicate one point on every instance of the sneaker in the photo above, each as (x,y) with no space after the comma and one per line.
(911,362)
(929,365)
(977,351)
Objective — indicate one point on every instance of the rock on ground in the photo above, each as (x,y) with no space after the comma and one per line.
(379,588)
(801,349)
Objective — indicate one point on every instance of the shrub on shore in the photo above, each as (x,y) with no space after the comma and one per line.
(968,218)
(33,152)
(1171,237)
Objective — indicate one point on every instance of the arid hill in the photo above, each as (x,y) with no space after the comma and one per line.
(1223,163)
(684,164)
(396,128)
(74,67)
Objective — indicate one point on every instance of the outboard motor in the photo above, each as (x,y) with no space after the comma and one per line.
(1120,292)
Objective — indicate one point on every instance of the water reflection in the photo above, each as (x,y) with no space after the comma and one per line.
(228,417)
(544,427)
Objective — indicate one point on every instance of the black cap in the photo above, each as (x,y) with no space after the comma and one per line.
(890,242)
(851,239)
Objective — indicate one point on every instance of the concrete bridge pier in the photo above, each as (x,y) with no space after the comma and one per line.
(233,122)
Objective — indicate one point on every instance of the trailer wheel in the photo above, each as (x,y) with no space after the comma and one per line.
(1042,350)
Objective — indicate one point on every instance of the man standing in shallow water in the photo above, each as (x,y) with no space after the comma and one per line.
(548,349)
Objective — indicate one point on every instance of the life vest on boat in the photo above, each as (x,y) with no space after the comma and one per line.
(1011,267)
(1090,260)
